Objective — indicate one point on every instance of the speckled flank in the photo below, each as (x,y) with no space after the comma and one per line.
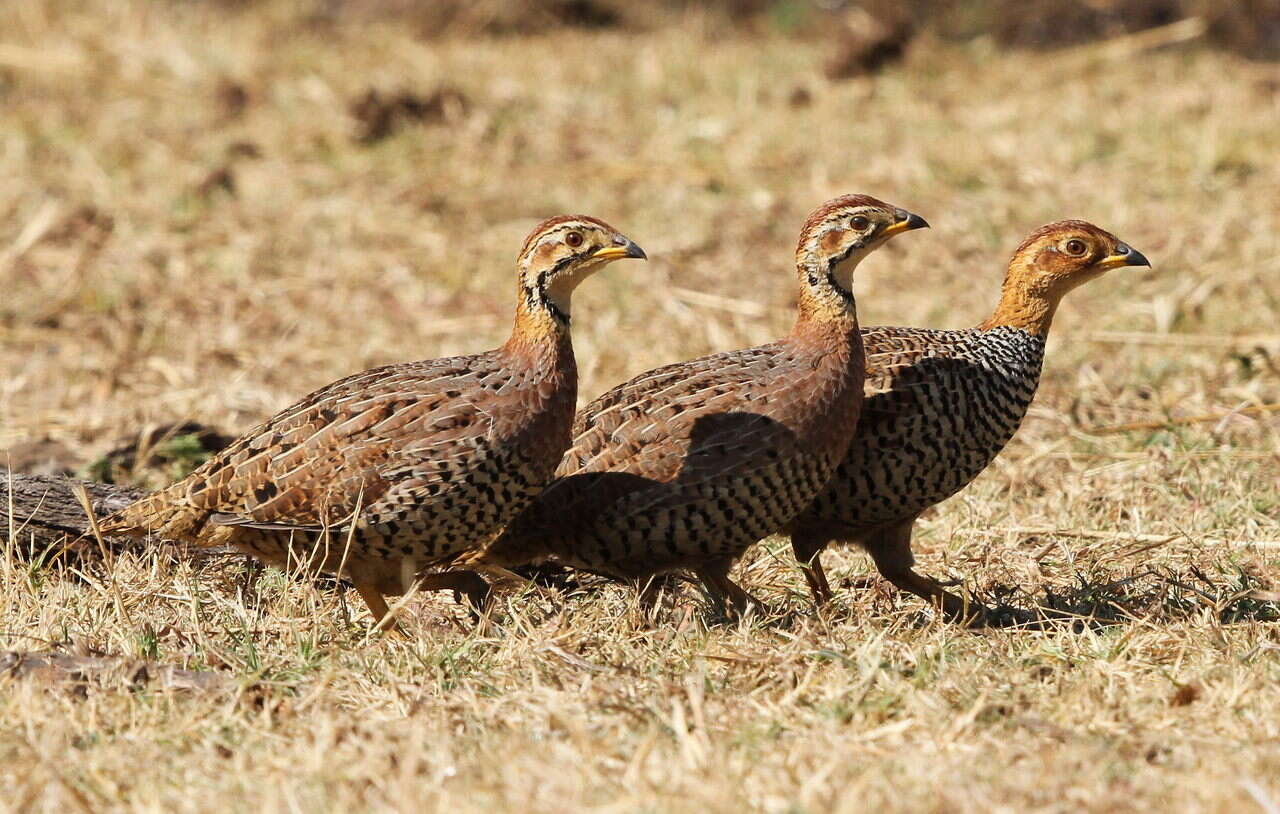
(385,473)
(688,465)
(694,462)
(415,462)
(940,406)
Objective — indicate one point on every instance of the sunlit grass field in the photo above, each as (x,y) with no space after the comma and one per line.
(203,216)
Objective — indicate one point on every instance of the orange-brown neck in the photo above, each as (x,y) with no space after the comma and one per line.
(818,317)
(1031,293)
(542,386)
(539,326)
(830,371)
(826,305)
(540,340)
(1025,310)
(826,330)
(823,333)
(1028,301)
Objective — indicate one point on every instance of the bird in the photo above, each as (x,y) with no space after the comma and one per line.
(685,466)
(383,475)
(939,405)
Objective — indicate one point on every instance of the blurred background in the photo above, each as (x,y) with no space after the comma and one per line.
(211,208)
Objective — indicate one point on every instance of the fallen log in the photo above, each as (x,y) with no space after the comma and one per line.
(38,512)
(42,513)
(56,669)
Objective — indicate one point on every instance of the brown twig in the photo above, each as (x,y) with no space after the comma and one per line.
(1180,340)
(1097,534)
(59,668)
(1150,39)
(1113,429)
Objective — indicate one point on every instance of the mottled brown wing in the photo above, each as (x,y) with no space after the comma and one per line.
(907,371)
(344,447)
(675,422)
(716,406)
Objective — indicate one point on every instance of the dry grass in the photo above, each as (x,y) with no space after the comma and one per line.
(189,229)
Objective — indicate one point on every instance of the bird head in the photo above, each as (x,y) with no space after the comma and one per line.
(562,252)
(1052,261)
(840,233)
(1061,256)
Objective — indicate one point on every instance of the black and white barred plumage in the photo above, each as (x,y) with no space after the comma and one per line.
(940,405)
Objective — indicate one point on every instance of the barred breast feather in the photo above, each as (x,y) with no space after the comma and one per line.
(940,406)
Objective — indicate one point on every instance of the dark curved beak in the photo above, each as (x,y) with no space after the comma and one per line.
(906,221)
(622,247)
(1124,255)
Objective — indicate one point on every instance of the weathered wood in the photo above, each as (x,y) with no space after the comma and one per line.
(43,513)
(58,669)
(38,511)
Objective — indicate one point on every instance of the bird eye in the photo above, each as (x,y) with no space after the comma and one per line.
(859,222)
(1075,247)
(574,239)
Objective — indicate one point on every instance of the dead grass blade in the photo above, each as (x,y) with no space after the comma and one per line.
(1114,429)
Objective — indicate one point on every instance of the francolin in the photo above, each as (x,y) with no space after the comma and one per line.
(382,475)
(940,405)
(686,466)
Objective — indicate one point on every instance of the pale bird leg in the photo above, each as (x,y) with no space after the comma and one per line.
(892,554)
(468,583)
(378,607)
(715,575)
(808,550)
